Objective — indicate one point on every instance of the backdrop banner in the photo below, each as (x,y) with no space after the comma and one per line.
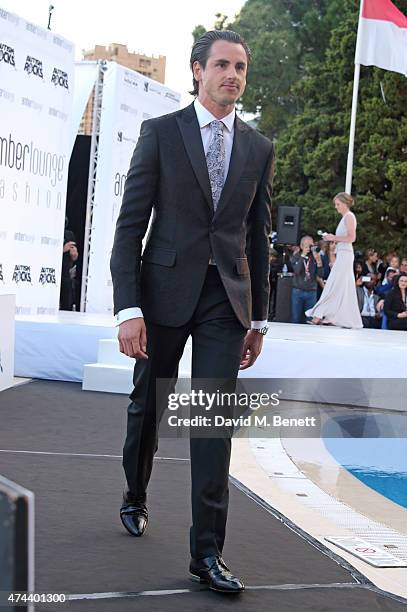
(128,99)
(7,308)
(85,77)
(36,85)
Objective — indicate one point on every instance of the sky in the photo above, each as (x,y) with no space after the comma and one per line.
(154,27)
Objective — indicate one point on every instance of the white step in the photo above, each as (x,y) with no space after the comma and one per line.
(113,373)
(107,378)
(109,353)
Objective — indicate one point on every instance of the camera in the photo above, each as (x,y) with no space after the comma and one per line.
(315,249)
(366,279)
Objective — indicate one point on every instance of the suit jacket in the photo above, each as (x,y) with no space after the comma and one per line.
(168,175)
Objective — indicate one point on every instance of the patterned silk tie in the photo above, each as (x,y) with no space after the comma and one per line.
(215,159)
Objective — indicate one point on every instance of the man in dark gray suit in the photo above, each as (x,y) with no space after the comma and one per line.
(206,176)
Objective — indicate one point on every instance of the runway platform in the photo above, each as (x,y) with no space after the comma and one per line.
(58,348)
(65,445)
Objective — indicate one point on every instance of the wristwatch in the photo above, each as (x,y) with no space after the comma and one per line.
(262,330)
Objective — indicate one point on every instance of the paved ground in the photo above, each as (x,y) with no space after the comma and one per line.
(65,445)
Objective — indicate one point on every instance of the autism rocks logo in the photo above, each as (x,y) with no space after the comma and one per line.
(1,273)
(47,276)
(22,274)
(7,54)
(34,66)
(60,78)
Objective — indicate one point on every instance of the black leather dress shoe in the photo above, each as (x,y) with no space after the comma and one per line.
(214,572)
(134,517)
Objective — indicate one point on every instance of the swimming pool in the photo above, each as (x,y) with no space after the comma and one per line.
(379,462)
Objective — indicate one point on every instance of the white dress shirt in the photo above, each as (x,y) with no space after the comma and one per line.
(204,119)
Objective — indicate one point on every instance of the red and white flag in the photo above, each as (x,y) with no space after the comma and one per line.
(382,36)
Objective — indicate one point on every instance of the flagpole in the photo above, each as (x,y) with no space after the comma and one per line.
(349,166)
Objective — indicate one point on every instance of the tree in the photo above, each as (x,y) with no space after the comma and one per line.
(283,36)
(312,151)
(300,83)
(197,32)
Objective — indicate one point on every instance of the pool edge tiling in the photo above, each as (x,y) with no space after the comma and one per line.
(266,468)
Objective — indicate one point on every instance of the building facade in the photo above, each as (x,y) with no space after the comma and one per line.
(151,67)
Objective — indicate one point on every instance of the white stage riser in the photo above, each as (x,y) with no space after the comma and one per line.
(109,354)
(7,310)
(114,371)
(287,360)
(59,348)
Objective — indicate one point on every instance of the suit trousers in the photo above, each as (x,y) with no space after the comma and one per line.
(217,343)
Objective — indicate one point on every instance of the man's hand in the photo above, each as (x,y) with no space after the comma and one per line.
(402,315)
(133,338)
(251,349)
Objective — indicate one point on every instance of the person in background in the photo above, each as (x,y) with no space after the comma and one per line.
(306,266)
(69,257)
(371,262)
(403,265)
(331,255)
(275,268)
(324,246)
(383,265)
(395,304)
(338,304)
(358,269)
(370,304)
(387,283)
(395,263)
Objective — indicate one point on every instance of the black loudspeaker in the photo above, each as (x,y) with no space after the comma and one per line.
(288,225)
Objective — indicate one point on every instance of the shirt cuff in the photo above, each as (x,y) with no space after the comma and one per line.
(128,313)
(259,324)
(133,313)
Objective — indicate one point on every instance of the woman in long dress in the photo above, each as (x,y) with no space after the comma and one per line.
(338,304)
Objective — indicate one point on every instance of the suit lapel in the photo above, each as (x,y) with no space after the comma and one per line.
(240,151)
(191,135)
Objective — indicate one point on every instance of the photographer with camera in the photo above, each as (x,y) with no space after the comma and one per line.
(306,266)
